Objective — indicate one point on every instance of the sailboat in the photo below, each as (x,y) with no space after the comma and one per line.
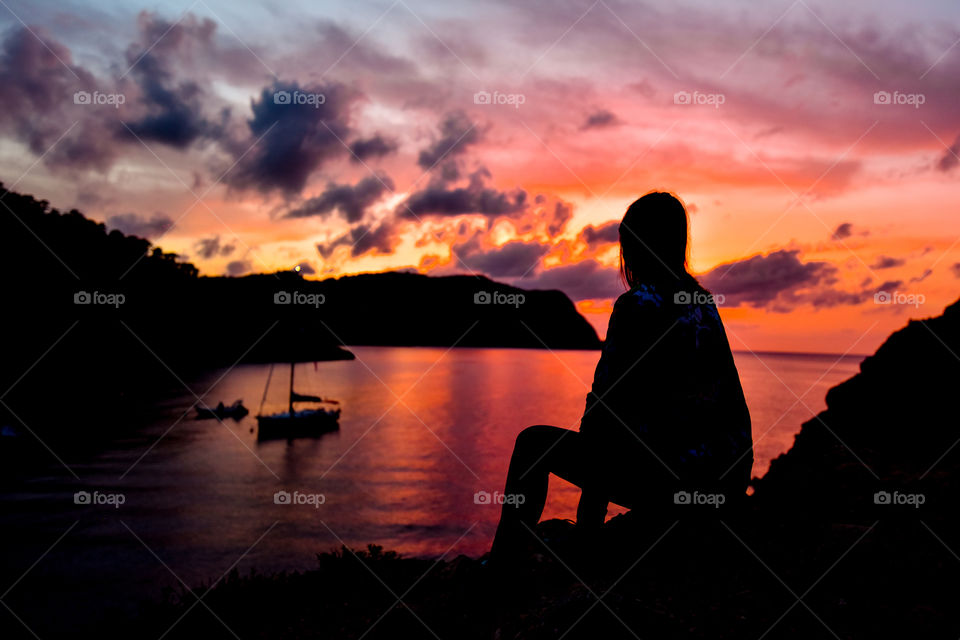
(297,423)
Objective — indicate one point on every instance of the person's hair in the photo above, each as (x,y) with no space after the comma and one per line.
(653,241)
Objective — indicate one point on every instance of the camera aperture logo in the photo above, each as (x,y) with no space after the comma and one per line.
(97,98)
(99,298)
(697,498)
(498,297)
(897,98)
(509,99)
(298,97)
(99,498)
(698,98)
(297,297)
(297,498)
(698,297)
(897,297)
(899,499)
(497,498)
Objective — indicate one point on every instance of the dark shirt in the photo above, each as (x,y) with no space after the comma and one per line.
(666,384)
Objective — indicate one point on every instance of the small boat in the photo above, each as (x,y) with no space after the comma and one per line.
(300,423)
(235,411)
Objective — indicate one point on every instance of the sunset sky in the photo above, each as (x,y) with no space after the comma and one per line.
(815,144)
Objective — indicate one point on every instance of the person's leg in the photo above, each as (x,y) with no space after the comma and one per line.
(592,508)
(539,451)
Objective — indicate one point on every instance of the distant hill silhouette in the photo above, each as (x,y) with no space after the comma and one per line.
(100,320)
(410,309)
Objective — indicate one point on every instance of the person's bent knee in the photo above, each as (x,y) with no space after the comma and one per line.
(531,436)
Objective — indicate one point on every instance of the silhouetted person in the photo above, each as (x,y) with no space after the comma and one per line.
(666,412)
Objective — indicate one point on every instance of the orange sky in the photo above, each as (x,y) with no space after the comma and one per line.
(816,147)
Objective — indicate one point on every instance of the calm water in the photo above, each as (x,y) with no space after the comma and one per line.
(422,431)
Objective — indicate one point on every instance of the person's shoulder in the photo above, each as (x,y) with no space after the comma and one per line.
(697,305)
(644,296)
(709,302)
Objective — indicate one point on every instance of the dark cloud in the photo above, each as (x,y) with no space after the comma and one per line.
(824,298)
(135,225)
(155,96)
(378,238)
(955,268)
(606,233)
(949,158)
(173,108)
(453,202)
(159,91)
(239,267)
(457,132)
(844,230)
(37,104)
(375,146)
(780,282)
(211,247)
(923,276)
(442,200)
(887,262)
(562,212)
(581,281)
(299,134)
(513,259)
(764,280)
(37,76)
(351,201)
(375,239)
(888,286)
(600,119)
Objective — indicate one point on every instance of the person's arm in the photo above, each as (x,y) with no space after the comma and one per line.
(624,345)
(633,330)
(592,421)
(592,508)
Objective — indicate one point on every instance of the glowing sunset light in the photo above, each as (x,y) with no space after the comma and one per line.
(818,157)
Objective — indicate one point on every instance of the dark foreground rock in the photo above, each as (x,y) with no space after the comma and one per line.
(851,534)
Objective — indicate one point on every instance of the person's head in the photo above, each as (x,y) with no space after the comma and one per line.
(653,240)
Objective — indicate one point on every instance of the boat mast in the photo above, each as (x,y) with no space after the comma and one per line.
(266,387)
(291,389)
